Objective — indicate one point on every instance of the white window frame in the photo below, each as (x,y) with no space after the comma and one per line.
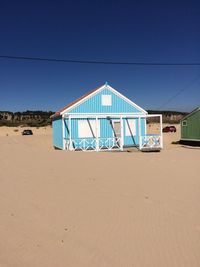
(84,130)
(184,125)
(132,124)
(106,100)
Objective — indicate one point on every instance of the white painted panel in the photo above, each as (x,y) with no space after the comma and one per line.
(130,128)
(106,100)
(87,128)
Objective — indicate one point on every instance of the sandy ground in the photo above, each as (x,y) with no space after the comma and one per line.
(89,209)
(17,131)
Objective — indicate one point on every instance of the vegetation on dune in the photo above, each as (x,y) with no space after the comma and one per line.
(30,118)
(40,118)
(168,116)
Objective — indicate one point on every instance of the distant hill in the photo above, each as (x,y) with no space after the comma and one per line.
(42,118)
(28,118)
(169,116)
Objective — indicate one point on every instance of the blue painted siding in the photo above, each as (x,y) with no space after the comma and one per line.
(131,140)
(93,105)
(57,133)
(143,126)
(134,140)
(66,129)
(105,128)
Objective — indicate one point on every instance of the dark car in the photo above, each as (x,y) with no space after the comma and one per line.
(27,132)
(168,129)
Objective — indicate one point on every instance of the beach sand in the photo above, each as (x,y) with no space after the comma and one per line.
(87,209)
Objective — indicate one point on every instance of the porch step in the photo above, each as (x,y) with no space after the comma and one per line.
(150,149)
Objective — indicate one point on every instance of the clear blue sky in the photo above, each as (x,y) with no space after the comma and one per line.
(143,31)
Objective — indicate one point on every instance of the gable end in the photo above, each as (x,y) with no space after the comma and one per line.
(83,99)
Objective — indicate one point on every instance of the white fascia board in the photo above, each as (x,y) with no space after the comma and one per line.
(186,139)
(153,115)
(126,99)
(79,115)
(105,115)
(100,89)
(83,99)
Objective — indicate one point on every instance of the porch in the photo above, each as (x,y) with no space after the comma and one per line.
(146,142)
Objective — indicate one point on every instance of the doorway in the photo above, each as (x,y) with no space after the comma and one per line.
(116,125)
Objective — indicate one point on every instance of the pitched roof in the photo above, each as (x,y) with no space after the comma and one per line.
(58,113)
(85,96)
(192,112)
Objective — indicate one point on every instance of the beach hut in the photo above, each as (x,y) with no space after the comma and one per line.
(103,119)
(190,127)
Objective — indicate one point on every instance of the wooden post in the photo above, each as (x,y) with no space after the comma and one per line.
(121,133)
(63,133)
(139,132)
(97,135)
(161,133)
(70,134)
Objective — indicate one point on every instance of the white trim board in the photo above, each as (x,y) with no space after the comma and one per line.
(184,139)
(126,99)
(111,115)
(105,86)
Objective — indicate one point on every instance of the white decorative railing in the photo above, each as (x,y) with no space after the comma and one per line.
(109,143)
(83,144)
(98,144)
(150,141)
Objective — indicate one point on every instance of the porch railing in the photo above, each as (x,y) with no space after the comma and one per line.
(150,141)
(109,143)
(99,144)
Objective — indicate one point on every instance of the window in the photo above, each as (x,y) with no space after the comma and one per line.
(130,127)
(184,123)
(106,100)
(87,128)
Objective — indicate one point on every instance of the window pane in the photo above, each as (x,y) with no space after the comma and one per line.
(87,128)
(130,128)
(184,123)
(106,100)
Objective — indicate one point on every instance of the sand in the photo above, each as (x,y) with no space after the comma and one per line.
(85,209)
